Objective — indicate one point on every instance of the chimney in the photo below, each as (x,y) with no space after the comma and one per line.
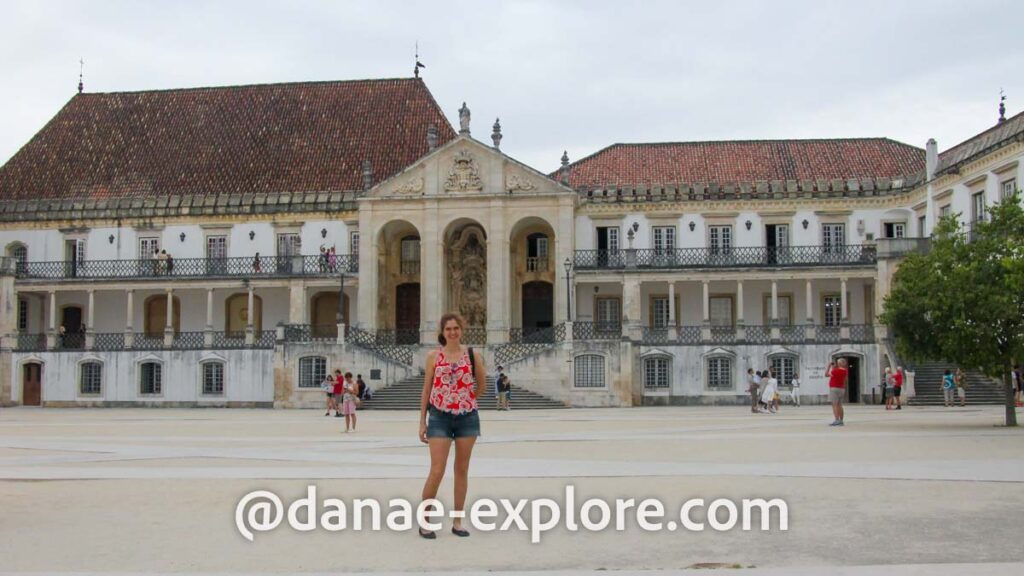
(367,175)
(431,137)
(565,167)
(496,134)
(931,158)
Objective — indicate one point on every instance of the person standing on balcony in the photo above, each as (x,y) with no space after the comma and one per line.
(162,262)
(837,375)
(256,263)
(322,260)
(156,262)
(897,387)
(332,260)
(455,377)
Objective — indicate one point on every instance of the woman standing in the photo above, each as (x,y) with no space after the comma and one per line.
(961,386)
(948,386)
(769,396)
(350,392)
(794,391)
(455,377)
(890,389)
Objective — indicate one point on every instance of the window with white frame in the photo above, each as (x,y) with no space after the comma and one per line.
(978,207)
(213,378)
(312,371)
(657,372)
(589,371)
(216,247)
(22,315)
(664,239)
(720,239)
(148,247)
(721,310)
(353,243)
(1008,187)
(609,314)
(833,237)
(895,229)
(946,211)
(20,255)
(90,378)
(659,312)
(832,304)
(719,373)
(150,378)
(783,368)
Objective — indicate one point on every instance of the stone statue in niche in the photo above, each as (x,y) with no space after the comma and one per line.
(467,273)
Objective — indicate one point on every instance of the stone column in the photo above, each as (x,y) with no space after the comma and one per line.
(631,309)
(705,329)
(51,336)
(208,335)
(297,303)
(741,329)
(169,328)
(672,331)
(498,274)
(564,234)
(844,317)
(250,329)
(129,326)
(809,331)
(90,326)
(434,290)
(776,333)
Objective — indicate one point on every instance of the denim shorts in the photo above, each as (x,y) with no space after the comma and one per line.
(442,424)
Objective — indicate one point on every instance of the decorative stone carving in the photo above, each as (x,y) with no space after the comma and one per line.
(467,273)
(463,175)
(413,186)
(515,182)
(464,119)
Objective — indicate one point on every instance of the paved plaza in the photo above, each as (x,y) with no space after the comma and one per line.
(136,490)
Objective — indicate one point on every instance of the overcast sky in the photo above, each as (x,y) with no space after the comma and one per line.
(561,75)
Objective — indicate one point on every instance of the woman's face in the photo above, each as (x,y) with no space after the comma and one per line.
(452,332)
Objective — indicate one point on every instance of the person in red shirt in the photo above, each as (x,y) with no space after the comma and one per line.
(898,386)
(339,389)
(837,374)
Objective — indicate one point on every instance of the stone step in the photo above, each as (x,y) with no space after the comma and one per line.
(928,386)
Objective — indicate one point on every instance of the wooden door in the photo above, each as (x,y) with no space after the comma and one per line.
(32,385)
(407,312)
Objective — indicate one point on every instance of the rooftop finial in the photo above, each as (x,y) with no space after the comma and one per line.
(431,137)
(1002,106)
(367,174)
(416,69)
(496,134)
(464,120)
(81,68)
(565,167)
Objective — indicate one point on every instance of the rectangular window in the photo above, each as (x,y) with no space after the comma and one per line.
(946,211)
(607,237)
(720,239)
(22,315)
(353,243)
(978,207)
(91,378)
(151,378)
(659,312)
(785,309)
(664,239)
(783,369)
(148,247)
(289,245)
(216,247)
(921,225)
(721,311)
(589,371)
(608,314)
(895,229)
(312,371)
(832,304)
(656,373)
(1008,187)
(213,378)
(833,237)
(719,375)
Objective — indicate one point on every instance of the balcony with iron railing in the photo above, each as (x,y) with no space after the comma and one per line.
(757,334)
(736,257)
(118,341)
(190,268)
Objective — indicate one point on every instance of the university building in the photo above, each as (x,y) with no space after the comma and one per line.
(229,246)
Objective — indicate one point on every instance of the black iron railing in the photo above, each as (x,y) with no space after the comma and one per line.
(758,334)
(189,341)
(31,342)
(474,336)
(755,334)
(191,268)
(382,343)
(108,341)
(745,257)
(596,331)
(311,332)
(526,342)
(862,333)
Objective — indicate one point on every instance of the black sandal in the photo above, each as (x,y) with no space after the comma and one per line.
(429,534)
(460,532)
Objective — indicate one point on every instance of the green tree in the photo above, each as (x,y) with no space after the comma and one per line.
(963,301)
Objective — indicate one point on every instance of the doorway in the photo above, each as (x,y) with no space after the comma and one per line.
(74,332)
(538,305)
(853,378)
(777,241)
(32,384)
(407,313)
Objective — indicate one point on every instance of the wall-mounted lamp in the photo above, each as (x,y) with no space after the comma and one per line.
(110,238)
(636,226)
(182,236)
(597,289)
(805,224)
(749,224)
(323,232)
(252,234)
(692,225)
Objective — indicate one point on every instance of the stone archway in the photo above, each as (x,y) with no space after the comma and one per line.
(399,273)
(466,268)
(532,254)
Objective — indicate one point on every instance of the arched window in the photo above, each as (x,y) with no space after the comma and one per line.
(589,371)
(784,366)
(19,253)
(213,377)
(658,372)
(410,255)
(151,378)
(90,378)
(719,373)
(312,370)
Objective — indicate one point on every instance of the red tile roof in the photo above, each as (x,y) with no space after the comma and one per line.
(300,137)
(746,161)
(986,142)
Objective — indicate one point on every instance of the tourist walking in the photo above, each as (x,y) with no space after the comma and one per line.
(837,375)
(961,386)
(794,390)
(328,387)
(349,399)
(897,387)
(769,395)
(455,377)
(890,393)
(338,390)
(497,387)
(948,386)
(752,390)
(505,389)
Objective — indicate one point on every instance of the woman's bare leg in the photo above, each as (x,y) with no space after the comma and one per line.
(463,451)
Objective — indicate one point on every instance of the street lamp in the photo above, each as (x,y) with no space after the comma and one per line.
(568,292)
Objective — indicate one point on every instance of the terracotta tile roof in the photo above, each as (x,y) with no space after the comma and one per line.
(1001,134)
(746,161)
(299,137)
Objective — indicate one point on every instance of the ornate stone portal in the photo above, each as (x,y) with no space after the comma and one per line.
(467,275)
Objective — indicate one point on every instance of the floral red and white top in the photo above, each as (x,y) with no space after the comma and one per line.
(454,388)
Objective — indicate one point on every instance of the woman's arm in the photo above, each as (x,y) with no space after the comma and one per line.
(481,374)
(428,381)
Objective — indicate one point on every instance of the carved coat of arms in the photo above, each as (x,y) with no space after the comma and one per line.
(463,176)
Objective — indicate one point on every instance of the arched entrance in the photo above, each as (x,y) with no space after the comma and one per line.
(538,305)
(323,314)
(31,384)
(155,309)
(466,271)
(236,313)
(398,295)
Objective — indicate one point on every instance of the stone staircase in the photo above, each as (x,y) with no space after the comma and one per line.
(928,386)
(405,395)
